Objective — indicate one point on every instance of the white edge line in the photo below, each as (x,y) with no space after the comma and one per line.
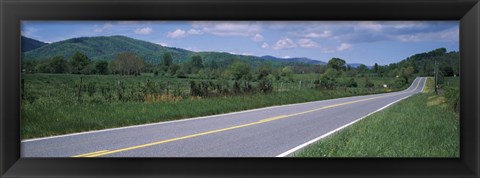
(337,129)
(183,120)
(340,128)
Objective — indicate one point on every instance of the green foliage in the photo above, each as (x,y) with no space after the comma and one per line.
(101,67)
(263,71)
(240,70)
(327,79)
(167,59)
(337,64)
(451,91)
(78,62)
(286,74)
(197,61)
(127,63)
(368,83)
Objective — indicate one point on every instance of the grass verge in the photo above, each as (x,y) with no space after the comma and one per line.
(51,116)
(420,126)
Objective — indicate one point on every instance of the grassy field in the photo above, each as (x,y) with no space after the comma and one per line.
(423,125)
(53,106)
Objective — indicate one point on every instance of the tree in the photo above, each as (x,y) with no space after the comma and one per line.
(59,65)
(167,59)
(101,67)
(197,62)
(29,66)
(240,70)
(55,65)
(328,78)
(405,73)
(375,68)
(287,73)
(78,62)
(127,63)
(362,68)
(263,71)
(337,64)
(212,64)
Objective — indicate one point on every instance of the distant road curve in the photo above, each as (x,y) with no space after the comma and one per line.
(265,132)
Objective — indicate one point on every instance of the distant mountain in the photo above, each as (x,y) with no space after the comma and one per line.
(31,44)
(107,47)
(294,60)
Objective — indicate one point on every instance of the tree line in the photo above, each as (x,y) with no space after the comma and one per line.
(127,63)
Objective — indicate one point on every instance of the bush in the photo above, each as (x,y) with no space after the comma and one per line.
(452,97)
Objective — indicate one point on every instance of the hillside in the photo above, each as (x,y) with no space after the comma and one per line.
(105,48)
(31,44)
(423,63)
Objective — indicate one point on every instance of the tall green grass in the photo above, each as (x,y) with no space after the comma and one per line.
(420,126)
(52,108)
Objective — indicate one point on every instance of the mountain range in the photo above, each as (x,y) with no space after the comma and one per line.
(106,47)
(29,44)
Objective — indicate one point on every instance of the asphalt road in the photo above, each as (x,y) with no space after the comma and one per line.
(265,132)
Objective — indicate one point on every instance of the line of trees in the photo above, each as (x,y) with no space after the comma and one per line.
(127,63)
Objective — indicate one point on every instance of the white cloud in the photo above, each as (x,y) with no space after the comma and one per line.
(446,35)
(143,31)
(307,43)
(105,27)
(257,37)
(178,33)
(284,43)
(29,32)
(265,45)
(286,57)
(324,34)
(344,46)
(228,28)
(369,25)
(194,32)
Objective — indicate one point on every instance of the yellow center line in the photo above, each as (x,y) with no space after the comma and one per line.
(105,152)
(92,153)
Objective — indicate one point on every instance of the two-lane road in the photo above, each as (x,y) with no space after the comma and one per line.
(265,132)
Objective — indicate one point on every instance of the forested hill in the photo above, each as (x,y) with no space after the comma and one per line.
(107,47)
(423,63)
(31,44)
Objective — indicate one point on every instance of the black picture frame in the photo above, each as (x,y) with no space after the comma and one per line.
(13,11)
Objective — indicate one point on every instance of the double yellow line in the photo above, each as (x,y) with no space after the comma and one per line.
(106,152)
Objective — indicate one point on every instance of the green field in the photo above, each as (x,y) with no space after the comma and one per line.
(56,104)
(424,125)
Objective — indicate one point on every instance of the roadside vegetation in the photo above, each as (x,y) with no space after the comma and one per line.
(77,94)
(424,125)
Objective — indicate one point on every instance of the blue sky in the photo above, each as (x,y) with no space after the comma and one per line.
(366,42)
